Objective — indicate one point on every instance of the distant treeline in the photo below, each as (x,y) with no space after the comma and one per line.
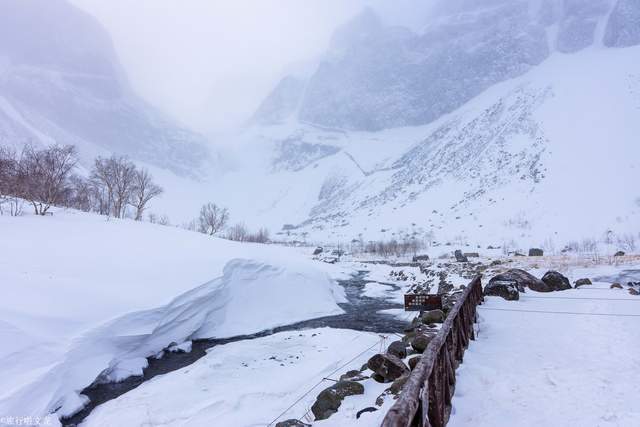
(115,186)
(46,177)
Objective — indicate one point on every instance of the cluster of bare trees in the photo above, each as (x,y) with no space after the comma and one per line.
(41,177)
(45,177)
(240,233)
(409,245)
(117,185)
(213,220)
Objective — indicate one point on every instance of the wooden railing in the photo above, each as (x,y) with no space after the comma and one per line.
(426,397)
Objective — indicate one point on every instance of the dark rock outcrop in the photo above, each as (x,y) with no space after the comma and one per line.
(583,282)
(507,289)
(353,375)
(387,367)
(419,258)
(292,423)
(330,399)
(615,286)
(318,250)
(398,349)
(522,280)
(432,316)
(460,256)
(556,281)
(619,253)
(420,342)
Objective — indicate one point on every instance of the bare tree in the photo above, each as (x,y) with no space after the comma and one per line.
(81,194)
(164,220)
(44,175)
(627,241)
(102,184)
(212,218)
(113,179)
(237,233)
(144,189)
(124,172)
(9,182)
(261,236)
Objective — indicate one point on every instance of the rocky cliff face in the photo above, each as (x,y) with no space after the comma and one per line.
(377,77)
(482,123)
(60,80)
(623,29)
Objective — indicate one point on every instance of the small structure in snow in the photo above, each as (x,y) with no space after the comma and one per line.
(536,252)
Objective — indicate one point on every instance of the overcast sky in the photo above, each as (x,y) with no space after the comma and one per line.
(210,62)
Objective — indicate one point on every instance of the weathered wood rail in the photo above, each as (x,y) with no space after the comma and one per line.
(426,397)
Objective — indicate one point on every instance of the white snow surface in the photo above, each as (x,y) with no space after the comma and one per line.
(83,294)
(531,369)
(518,161)
(249,383)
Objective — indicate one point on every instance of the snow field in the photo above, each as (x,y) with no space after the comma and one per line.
(85,295)
(248,383)
(532,368)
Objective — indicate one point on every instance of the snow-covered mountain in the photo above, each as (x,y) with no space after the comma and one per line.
(501,119)
(60,80)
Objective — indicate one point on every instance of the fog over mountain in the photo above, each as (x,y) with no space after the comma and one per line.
(447,127)
(435,121)
(61,80)
(376,76)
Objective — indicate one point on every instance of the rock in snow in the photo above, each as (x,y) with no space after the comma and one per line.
(522,280)
(292,423)
(582,282)
(420,342)
(387,367)
(432,316)
(507,289)
(398,349)
(330,399)
(556,281)
(460,257)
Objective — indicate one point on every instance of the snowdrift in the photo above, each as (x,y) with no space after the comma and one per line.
(250,297)
(85,295)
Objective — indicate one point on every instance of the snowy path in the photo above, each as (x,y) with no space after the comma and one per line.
(541,369)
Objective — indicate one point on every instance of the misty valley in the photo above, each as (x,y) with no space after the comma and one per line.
(319,213)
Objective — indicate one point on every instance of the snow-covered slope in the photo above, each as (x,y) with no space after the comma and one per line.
(60,80)
(543,150)
(85,295)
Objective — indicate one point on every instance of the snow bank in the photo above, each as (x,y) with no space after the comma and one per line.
(250,297)
(83,293)
(247,383)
